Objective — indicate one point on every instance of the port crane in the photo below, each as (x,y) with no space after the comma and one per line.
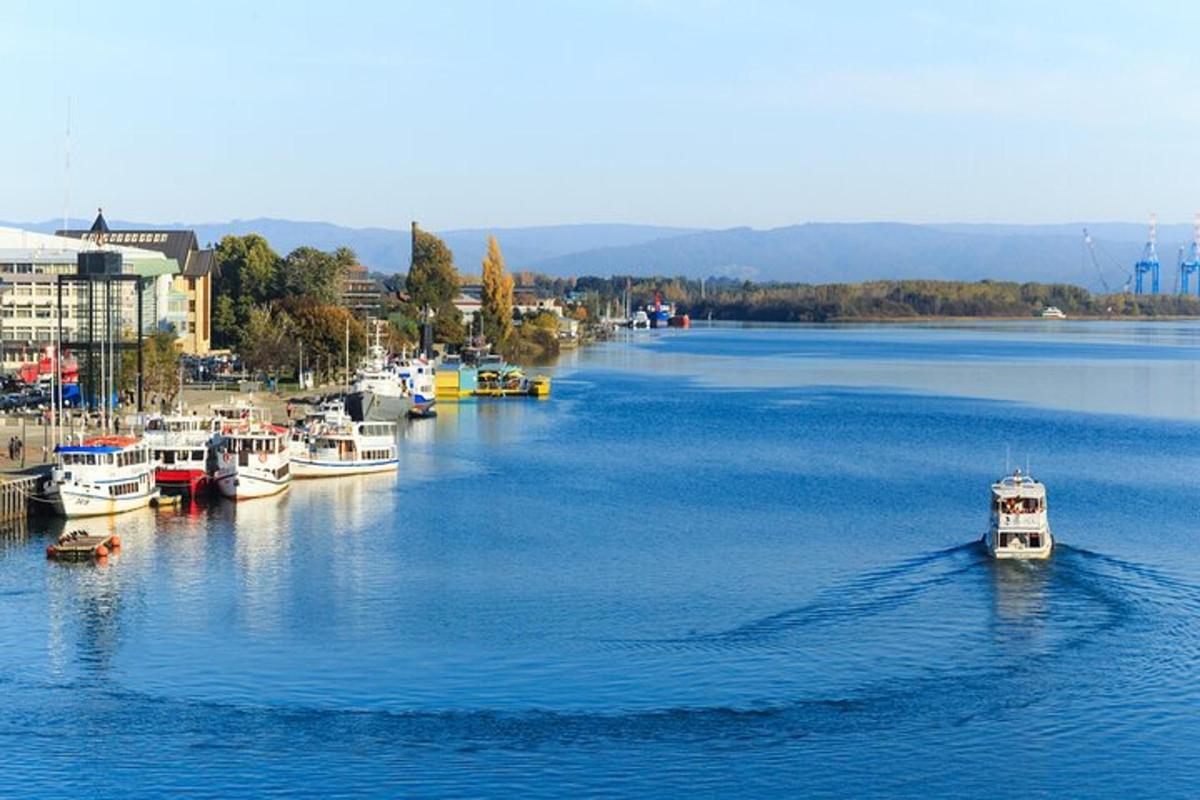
(1148,263)
(1090,244)
(1191,266)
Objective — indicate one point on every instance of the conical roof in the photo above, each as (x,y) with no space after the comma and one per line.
(100,226)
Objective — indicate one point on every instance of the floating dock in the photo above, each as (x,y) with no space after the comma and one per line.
(80,546)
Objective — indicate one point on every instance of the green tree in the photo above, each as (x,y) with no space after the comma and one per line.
(224,320)
(448,324)
(246,267)
(313,274)
(497,295)
(432,278)
(160,366)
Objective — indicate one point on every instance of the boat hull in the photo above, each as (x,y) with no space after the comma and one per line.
(192,481)
(242,485)
(318,468)
(74,503)
(369,406)
(1020,551)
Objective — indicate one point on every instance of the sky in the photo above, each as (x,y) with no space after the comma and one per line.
(702,113)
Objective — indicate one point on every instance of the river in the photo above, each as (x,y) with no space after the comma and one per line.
(722,561)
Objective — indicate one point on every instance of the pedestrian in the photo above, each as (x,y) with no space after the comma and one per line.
(12,447)
(116,424)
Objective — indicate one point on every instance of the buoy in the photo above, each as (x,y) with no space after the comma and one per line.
(101,551)
(115,542)
(51,552)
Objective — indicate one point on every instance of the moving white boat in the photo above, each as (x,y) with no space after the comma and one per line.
(353,449)
(102,475)
(1019,525)
(1053,312)
(254,461)
(184,447)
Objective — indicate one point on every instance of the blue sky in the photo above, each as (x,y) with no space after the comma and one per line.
(703,113)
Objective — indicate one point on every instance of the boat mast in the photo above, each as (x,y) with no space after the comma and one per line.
(347,381)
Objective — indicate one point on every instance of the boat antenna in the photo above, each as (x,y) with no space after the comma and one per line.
(1007,458)
(1027,472)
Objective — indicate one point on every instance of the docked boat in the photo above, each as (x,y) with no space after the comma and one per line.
(658,313)
(1019,524)
(238,410)
(254,461)
(185,449)
(1053,312)
(356,448)
(102,475)
(384,391)
(510,381)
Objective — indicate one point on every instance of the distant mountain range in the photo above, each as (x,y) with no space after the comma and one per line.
(813,252)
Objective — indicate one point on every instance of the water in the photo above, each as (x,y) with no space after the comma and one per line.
(718,562)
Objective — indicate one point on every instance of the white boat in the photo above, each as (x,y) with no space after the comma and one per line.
(238,410)
(1053,312)
(185,449)
(1019,525)
(387,391)
(419,377)
(254,461)
(354,449)
(102,475)
(640,321)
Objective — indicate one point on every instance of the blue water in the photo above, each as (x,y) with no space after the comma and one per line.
(717,562)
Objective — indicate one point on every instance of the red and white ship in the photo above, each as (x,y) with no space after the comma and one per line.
(184,447)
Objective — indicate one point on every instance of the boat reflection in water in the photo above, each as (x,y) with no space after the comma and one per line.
(1019,592)
(86,600)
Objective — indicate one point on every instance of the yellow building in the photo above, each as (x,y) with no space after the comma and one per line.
(189,308)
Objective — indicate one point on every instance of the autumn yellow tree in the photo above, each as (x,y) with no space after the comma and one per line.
(497,295)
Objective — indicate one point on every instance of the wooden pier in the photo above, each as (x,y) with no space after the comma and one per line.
(17,495)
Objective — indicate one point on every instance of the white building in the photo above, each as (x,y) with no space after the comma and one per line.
(30,264)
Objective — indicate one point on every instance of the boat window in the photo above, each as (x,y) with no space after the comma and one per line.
(197,455)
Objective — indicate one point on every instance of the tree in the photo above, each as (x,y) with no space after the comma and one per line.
(160,366)
(497,295)
(267,340)
(432,278)
(313,274)
(448,324)
(224,320)
(246,267)
(245,276)
(322,329)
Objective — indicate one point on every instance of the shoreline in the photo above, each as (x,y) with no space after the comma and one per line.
(930,318)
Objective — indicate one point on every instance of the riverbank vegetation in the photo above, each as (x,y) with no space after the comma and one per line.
(725,299)
(269,308)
